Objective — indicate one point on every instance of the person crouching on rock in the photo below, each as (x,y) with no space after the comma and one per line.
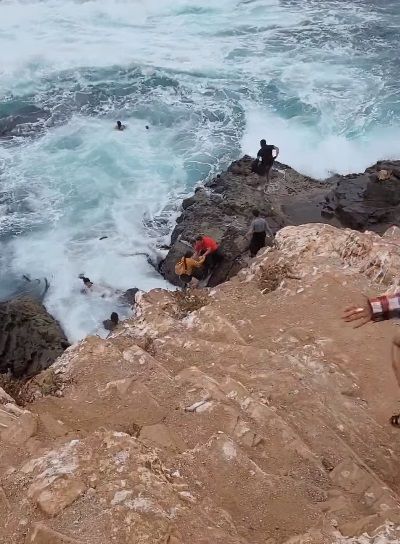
(267,154)
(188,268)
(258,232)
(380,309)
(205,246)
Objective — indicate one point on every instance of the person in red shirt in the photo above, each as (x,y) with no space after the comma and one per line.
(207,247)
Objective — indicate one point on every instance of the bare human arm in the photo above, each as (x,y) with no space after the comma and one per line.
(269,229)
(359,315)
(373,309)
(196,263)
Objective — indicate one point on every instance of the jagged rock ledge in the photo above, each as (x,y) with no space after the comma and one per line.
(222,208)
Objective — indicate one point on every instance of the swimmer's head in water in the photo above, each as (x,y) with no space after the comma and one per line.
(263,143)
(119,125)
(87,282)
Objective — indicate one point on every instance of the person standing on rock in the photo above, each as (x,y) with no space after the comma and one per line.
(267,154)
(258,232)
(379,309)
(205,246)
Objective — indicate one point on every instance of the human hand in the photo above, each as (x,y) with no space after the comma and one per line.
(360,315)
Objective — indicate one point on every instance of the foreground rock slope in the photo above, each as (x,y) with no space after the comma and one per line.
(247,414)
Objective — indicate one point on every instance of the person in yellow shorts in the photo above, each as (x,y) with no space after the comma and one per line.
(188,268)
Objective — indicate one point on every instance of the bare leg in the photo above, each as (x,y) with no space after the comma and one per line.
(267,178)
(396,357)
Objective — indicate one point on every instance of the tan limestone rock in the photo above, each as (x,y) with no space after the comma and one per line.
(160,436)
(16,424)
(54,495)
(41,534)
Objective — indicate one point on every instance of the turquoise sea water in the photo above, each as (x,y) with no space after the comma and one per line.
(318,78)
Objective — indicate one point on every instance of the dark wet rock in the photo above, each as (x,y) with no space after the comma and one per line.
(223,209)
(367,201)
(30,338)
(129,296)
(21,122)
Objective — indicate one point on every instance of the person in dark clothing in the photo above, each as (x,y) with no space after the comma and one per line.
(267,154)
(110,324)
(258,232)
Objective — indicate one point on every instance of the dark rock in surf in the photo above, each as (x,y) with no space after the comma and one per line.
(30,338)
(367,201)
(22,121)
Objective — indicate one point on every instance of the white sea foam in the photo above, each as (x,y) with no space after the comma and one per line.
(211,79)
(84,182)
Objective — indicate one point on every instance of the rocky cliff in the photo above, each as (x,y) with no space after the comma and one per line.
(244,414)
(223,208)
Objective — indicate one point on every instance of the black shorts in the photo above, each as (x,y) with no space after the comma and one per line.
(213,259)
(264,168)
(257,242)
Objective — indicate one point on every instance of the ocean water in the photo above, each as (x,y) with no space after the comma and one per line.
(318,78)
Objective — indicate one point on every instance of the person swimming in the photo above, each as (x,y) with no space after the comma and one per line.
(103,291)
(120,126)
(87,284)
